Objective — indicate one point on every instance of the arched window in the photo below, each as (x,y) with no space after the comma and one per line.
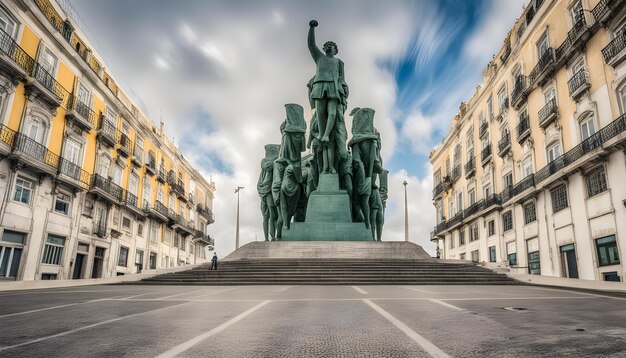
(587,126)
(553,151)
(621,97)
(36,127)
(103,166)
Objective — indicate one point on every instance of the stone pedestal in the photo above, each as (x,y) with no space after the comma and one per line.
(328,216)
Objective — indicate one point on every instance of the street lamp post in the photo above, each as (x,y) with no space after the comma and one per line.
(406,214)
(237,230)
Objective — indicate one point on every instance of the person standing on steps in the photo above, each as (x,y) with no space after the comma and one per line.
(214,261)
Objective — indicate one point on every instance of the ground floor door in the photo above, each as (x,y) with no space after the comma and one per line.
(98,262)
(78,266)
(569,267)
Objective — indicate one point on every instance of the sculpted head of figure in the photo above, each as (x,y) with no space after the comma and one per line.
(330,48)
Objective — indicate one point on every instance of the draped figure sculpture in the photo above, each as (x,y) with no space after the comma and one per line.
(264,188)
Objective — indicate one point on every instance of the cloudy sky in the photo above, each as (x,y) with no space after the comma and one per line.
(220,73)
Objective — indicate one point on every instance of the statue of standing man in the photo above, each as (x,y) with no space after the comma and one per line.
(329,93)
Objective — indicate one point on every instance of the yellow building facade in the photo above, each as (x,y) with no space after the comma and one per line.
(90,186)
(531,174)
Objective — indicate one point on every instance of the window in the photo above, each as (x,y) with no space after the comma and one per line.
(103,166)
(11,253)
(84,95)
(436,180)
(587,128)
(596,182)
(554,151)
(462,237)
(549,95)
(126,223)
(507,220)
(122,259)
(140,229)
(154,229)
(48,276)
(183,243)
(147,192)
(607,251)
(472,196)
(491,227)
(133,184)
(507,180)
(35,129)
(621,97)
(23,190)
(459,201)
(153,260)
(73,151)
(160,193)
(492,254)
(534,265)
(474,232)
(452,244)
(490,108)
(448,170)
(48,62)
(576,12)
(167,237)
(542,46)
(8,25)
(527,167)
(511,253)
(530,213)
(117,174)
(559,198)
(475,256)
(139,260)
(62,203)
(502,98)
(611,276)
(487,191)
(53,251)
(451,207)
(139,149)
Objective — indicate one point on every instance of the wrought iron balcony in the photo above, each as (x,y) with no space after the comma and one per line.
(543,69)
(100,229)
(47,88)
(548,113)
(7,137)
(157,211)
(578,84)
(485,154)
(72,174)
(523,128)
(81,114)
(606,10)
(523,185)
(615,51)
(162,174)
(13,59)
(106,131)
(179,189)
(438,189)
(131,202)
(470,167)
(34,154)
(521,88)
(504,144)
(456,172)
(506,53)
(106,189)
(204,239)
(151,164)
(206,213)
(483,129)
(125,144)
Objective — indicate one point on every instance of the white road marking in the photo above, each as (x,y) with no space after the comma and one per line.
(87,327)
(512,298)
(51,308)
(349,299)
(360,290)
(514,310)
(437,292)
(419,290)
(143,294)
(213,293)
(282,289)
(426,345)
(175,351)
(447,304)
(180,294)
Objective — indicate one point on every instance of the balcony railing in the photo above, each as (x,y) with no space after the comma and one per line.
(520,91)
(162,174)
(526,183)
(504,144)
(11,49)
(548,113)
(74,171)
(606,9)
(151,164)
(7,135)
(206,213)
(86,117)
(578,83)
(100,229)
(523,128)
(485,154)
(615,47)
(438,189)
(47,80)
(107,131)
(483,129)
(37,151)
(126,145)
(49,12)
(506,53)
(470,167)
(456,172)
(109,188)
(543,67)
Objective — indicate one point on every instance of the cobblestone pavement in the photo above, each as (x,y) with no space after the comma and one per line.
(311,321)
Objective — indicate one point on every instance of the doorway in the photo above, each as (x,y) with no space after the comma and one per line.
(98,262)
(79,262)
(569,267)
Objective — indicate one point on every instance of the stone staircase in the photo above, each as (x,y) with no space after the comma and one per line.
(317,271)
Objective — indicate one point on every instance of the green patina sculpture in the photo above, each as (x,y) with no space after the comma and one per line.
(339,191)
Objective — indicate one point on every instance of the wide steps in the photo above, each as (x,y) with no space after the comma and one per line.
(334,272)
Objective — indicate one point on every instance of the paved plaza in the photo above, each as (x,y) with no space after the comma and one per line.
(311,321)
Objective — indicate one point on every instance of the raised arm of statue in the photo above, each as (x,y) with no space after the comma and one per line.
(315,51)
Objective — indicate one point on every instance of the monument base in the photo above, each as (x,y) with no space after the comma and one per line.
(328,231)
(372,250)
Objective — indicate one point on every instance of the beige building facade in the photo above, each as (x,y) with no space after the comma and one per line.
(89,187)
(532,172)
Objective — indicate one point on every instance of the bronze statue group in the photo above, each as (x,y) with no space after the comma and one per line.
(286,179)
